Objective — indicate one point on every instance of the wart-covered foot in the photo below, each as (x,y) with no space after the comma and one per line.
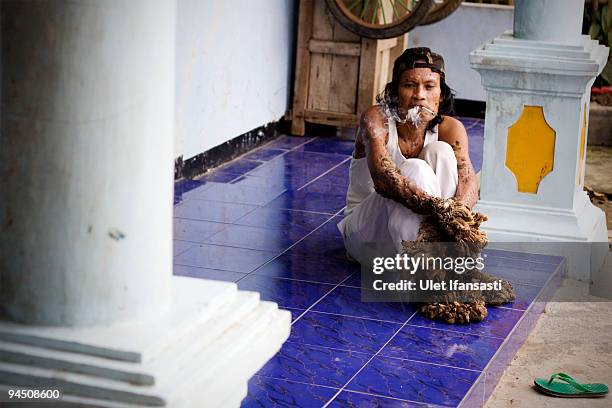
(455,312)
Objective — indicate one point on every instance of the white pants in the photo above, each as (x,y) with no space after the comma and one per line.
(383,223)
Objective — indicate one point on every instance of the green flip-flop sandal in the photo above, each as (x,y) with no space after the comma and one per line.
(568,387)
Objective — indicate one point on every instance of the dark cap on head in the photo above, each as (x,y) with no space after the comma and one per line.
(419,57)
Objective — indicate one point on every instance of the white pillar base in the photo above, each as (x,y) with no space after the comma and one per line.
(579,234)
(202,352)
(556,77)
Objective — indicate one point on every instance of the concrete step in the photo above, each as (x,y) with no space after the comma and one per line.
(214,358)
(195,301)
(16,353)
(216,370)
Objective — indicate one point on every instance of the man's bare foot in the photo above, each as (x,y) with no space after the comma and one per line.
(456,312)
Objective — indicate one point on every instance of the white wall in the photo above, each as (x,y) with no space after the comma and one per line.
(233,69)
(454,37)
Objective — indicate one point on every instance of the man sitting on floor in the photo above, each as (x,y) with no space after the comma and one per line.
(409,130)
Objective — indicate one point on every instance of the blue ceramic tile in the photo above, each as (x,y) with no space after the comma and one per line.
(211,210)
(517,255)
(476,163)
(233,193)
(334,221)
(466,120)
(283,219)
(240,166)
(303,158)
(314,365)
(325,347)
(324,186)
(442,347)
(264,154)
(355,279)
(308,173)
(277,174)
(341,332)
(218,176)
(295,313)
(287,181)
(310,201)
(204,273)
(191,190)
(330,228)
(224,258)
(179,247)
(266,239)
(332,182)
(182,186)
(308,164)
(525,294)
(347,301)
(418,382)
(288,142)
(331,145)
(195,230)
(285,292)
(476,143)
(476,129)
(515,263)
(469,126)
(349,399)
(480,123)
(498,323)
(274,393)
(475,138)
(326,243)
(333,257)
(518,275)
(475,151)
(295,266)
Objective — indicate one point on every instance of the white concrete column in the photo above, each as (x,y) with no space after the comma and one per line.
(86,160)
(88,302)
(555,21)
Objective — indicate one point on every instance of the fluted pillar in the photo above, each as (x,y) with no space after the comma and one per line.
(88,303)
(86,160)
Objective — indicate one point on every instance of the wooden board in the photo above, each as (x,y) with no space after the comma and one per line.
(366,96)
(332,118)
(320,64)
(350,49)
(302,66)
(345,74)
(338,73)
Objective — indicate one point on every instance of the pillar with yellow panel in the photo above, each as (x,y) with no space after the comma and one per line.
(537,79)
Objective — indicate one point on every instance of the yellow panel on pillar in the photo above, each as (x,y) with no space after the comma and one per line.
(530,149)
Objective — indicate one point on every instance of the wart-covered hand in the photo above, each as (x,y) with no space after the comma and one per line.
(458,221)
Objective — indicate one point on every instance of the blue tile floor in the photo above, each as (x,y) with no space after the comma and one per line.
(268,220)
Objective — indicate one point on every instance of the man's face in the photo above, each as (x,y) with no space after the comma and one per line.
(419,87)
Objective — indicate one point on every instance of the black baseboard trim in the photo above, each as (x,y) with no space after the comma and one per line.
(227,151)
(469,108)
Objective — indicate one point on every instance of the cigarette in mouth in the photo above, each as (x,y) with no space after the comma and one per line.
(428,110)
